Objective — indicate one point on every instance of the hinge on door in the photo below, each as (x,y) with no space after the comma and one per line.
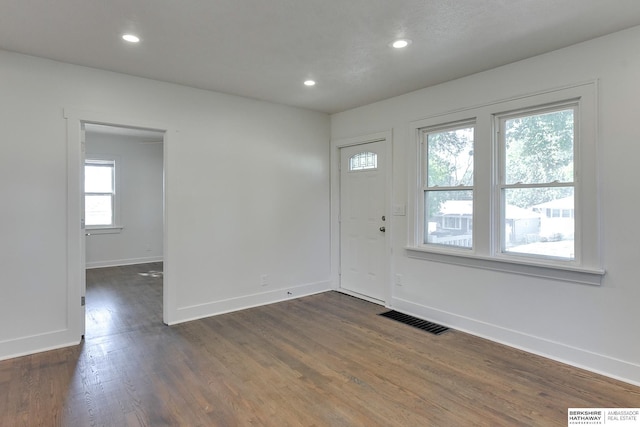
(82,300)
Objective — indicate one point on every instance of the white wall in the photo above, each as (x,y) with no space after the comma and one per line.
(589,326)
(139,174)
(247,193)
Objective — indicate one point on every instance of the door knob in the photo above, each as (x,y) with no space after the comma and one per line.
(383,229)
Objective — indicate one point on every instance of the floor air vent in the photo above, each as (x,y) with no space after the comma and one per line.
(434,328)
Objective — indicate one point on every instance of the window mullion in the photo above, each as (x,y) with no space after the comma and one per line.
(553,184)
(534,158)
(454,188)
(89,193)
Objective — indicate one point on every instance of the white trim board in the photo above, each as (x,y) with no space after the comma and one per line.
(200,311)
(121,262)
(360,296)
(584,359)
(25,346)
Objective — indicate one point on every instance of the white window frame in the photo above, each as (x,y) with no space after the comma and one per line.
(586,267)
(424,161)
(114,227)
(499,141)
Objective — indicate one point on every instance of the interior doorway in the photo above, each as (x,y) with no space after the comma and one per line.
(77,121)
(123,216)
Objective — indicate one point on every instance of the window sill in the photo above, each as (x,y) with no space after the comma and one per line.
(103,230)
(567,273)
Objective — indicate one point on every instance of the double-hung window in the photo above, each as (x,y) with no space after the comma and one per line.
(100,193)
(447,154)
(512,185)
(537,181)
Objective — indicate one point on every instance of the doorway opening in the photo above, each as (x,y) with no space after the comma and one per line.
(77,121)
(124,220)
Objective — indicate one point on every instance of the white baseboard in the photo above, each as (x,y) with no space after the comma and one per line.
(120,262)
(194,312)
(360,296)
(37,343)
(580,358)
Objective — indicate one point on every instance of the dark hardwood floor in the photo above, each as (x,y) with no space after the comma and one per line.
(323,360)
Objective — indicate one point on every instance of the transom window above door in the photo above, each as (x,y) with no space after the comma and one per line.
(363,161)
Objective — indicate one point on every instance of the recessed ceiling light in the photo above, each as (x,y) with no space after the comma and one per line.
(131,38)
(402,43)
(309,82)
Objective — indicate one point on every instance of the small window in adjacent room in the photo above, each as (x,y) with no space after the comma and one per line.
(363,161)
(99,193)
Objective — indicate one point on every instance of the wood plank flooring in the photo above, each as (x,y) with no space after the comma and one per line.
(323,360)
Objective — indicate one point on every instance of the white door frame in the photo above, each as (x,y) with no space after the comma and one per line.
(336,145)
(75,233)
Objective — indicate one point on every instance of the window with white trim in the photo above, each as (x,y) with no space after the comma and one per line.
(447,154)
(511,185)
(537,173)
(100,193)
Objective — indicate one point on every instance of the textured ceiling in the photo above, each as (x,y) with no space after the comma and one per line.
(265,49)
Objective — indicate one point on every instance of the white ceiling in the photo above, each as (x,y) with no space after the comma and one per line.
(265,49)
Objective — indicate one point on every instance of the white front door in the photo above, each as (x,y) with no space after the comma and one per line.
(362,220)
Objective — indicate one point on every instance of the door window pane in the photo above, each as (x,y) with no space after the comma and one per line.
(363,161)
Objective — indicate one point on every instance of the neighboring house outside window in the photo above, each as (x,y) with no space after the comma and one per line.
(447,158)
(537,170)
(512,183)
